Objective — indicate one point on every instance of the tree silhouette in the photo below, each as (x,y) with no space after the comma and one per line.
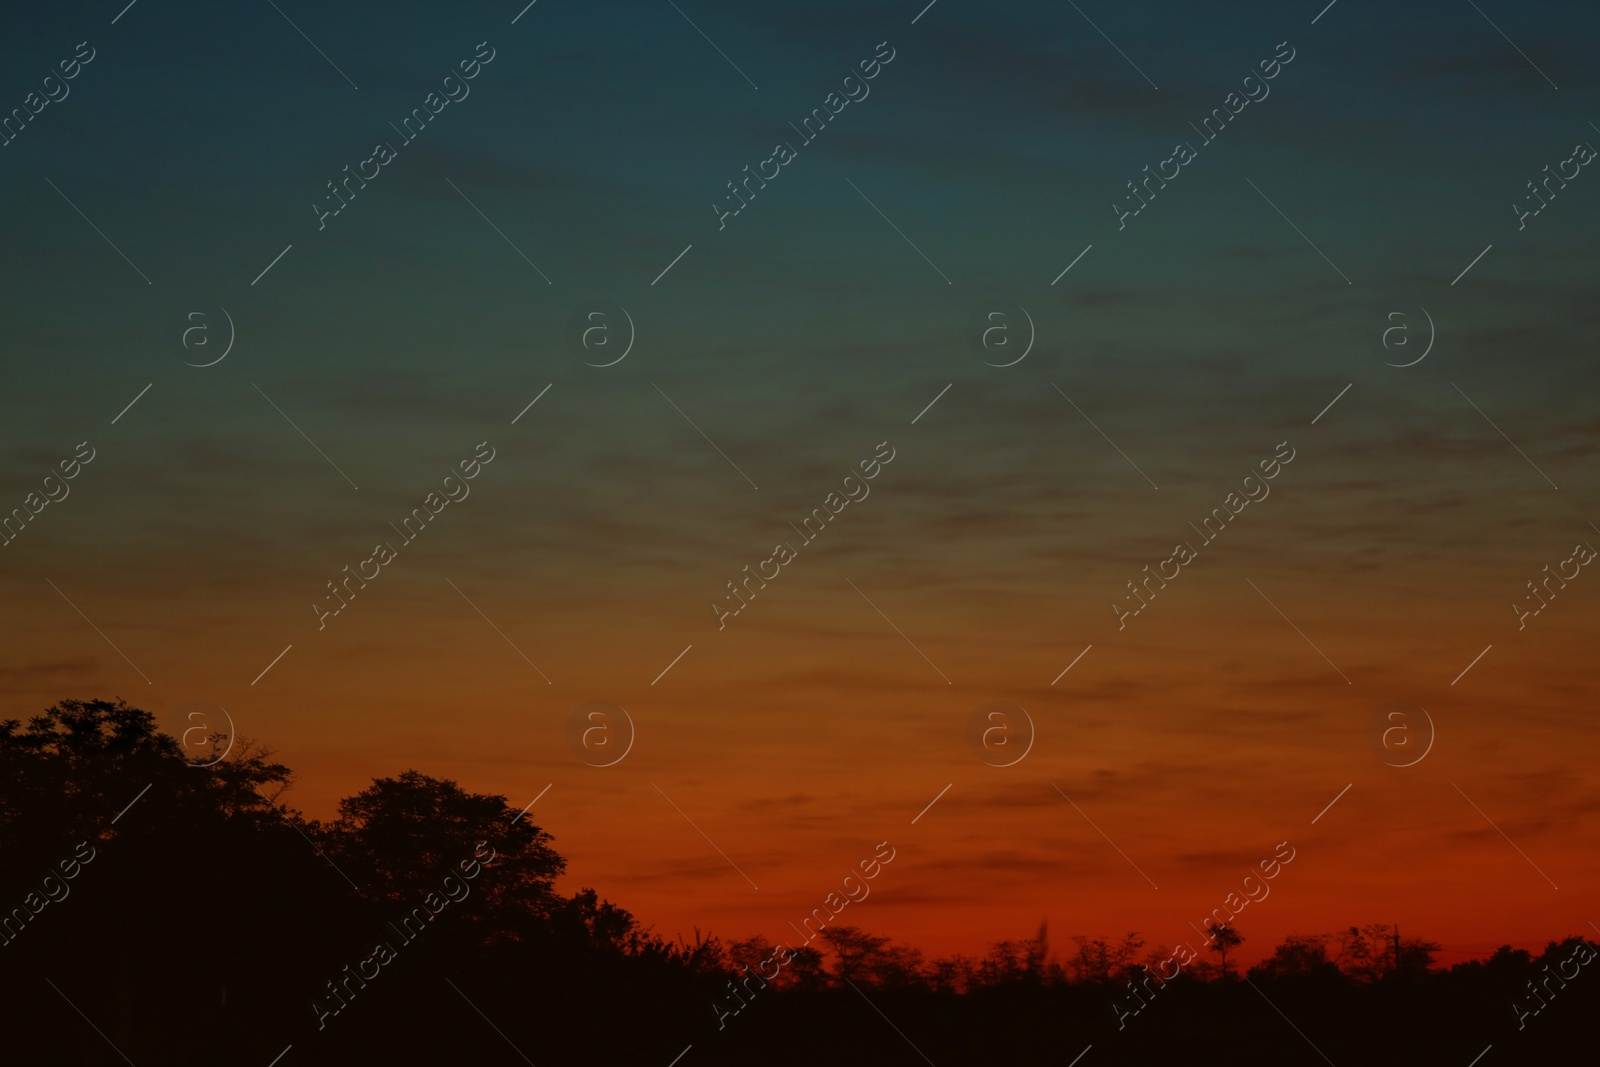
(1102,960)
(1298,955)
(72,768)
(181,855)
(857,955)
(1224,939)
(399,838)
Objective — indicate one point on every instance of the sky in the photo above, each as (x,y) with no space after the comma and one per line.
(1371,206)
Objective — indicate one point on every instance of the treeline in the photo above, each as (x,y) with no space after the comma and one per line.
(163,909)
(1358,954)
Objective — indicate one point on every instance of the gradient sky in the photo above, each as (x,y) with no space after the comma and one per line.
(800,336)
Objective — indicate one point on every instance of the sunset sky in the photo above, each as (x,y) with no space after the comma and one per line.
(1174,356)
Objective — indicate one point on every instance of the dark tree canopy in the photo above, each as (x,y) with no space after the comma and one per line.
(400,836)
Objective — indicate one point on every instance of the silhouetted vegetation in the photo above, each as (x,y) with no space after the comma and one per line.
(207,923)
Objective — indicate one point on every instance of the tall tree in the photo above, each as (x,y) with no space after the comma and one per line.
(1224,939)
